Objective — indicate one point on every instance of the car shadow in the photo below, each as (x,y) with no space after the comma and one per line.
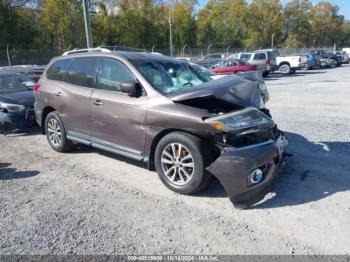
(31,131)
(314,172)
(8,173)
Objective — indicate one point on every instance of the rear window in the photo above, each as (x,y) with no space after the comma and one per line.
(245,57)
(259,56)
(82,71)
(57,69)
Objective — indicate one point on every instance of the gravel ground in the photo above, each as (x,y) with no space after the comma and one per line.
(91,202)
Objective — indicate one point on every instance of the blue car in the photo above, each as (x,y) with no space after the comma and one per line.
(311,61)
(16,102)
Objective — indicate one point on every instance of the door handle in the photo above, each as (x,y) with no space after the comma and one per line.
(98,102)
(58,94)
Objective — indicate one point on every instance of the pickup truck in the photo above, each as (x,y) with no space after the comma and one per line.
(289,64)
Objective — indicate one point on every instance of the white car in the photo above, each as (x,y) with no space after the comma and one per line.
(289,64)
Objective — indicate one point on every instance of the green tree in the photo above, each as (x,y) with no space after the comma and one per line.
(184,24)
(297,25)
(62,24)
(326,24)
(265,20)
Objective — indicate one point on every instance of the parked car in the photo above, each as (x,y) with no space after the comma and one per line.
(16,102)
(203,70)
(310,61)
(233,66)
(338,56)
(328,60)
(265,60)
(241,56)
(31,71)
(158,110)
(209,60)
(289,64)
(344,56)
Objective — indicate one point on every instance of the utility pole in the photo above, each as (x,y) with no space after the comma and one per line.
(228,48)
(272,41)
(87,24)
(183,50)
(8,55)
(170,34)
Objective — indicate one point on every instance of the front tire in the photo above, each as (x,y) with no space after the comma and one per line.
(180,161)
(56,134)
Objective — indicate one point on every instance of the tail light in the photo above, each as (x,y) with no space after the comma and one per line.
(36,87)
(268,62)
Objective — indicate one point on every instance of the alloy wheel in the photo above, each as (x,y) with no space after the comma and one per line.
(54,131)
(177,164)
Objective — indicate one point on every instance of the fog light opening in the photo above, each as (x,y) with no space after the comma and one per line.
(256,176)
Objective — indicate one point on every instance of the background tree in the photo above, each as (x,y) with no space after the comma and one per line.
(265,20)
(297,25)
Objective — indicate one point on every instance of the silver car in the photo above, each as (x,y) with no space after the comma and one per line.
(265,59)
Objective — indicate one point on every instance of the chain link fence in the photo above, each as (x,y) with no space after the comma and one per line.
(43,56)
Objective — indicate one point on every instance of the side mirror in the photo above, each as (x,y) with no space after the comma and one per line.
(131,88)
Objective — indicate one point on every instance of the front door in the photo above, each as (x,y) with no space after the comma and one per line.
(118,121)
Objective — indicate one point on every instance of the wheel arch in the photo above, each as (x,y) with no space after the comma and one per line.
(283,63)
(47,110)
(155,141)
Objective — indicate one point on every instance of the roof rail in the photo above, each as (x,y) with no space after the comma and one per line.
(75,51)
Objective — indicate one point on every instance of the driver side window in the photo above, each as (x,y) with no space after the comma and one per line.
(112,74)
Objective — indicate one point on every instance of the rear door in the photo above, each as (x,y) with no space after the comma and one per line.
(228,68)
(75,94)
(118,120)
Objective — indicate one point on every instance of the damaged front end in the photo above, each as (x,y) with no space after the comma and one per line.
(251,149)
(14,117)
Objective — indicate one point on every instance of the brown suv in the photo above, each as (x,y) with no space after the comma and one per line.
(162,111)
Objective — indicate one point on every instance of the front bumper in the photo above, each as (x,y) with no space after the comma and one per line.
(10,122)
(233,166)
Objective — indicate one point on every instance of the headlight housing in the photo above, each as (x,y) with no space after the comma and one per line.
(241,120)
(11,108)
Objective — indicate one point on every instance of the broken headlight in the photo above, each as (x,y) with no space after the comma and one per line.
(240,121)
(11,108)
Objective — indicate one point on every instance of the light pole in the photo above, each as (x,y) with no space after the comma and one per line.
(227,50)
(170,34)
(153,48)
(209,48)
(183,50)
(272,40)
(87,24)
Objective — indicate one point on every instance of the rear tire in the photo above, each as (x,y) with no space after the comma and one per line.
(56,134)
(285,69)
(180,161)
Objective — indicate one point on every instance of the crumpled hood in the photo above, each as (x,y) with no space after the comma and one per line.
(232,89)
(25,97)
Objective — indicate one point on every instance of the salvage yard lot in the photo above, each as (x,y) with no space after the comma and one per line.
(91,202)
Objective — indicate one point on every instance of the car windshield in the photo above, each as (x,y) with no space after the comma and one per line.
(170,76)
(202,70)
(15,82)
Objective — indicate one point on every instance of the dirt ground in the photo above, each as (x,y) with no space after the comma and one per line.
(91,202)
